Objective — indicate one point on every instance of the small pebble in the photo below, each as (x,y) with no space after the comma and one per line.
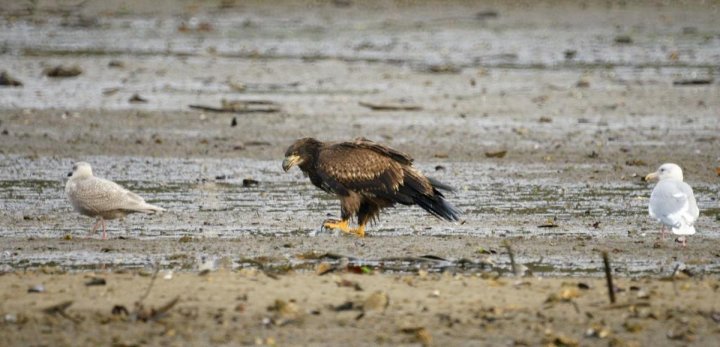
(11,318)
(96,281)
(136,98)
(249,182)
(38,288)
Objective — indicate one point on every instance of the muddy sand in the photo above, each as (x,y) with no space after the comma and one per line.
(544,116)
(250,308)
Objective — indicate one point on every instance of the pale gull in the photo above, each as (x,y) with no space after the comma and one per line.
(96,197)
(672,201)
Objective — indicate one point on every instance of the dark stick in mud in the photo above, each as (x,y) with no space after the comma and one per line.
(608,276)
(152,282)
(59,309)
(512,257)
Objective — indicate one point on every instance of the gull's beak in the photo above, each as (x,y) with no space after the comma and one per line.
(651,176)
(290,161)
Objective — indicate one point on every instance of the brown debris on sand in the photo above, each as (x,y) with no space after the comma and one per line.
(61,71)
(8,81)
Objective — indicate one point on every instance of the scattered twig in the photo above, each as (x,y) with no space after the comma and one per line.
(59,310)
(208,108)
(627,304)
(608,276)
(261,267)
(672,278)
(241,106)
(152,282)
(576,306)
(145,315)
(63,71)
(496,154)
(153,314)
(421,259)
(325,268)
(675,270)
(507,246)
(693,82)
(390,107)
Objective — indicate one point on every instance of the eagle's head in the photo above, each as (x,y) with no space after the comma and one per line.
(301,151)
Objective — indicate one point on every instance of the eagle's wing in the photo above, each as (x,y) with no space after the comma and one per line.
(363,167)
(396,155)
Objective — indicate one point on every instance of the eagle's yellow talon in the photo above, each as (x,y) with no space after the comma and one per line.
(336,224)
(359,232)
(343,225)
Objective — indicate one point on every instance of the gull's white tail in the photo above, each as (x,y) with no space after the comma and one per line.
(149,209)
(683,229)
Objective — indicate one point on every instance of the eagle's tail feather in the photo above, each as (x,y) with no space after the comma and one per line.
(439,185)
(434,203)
(437,206)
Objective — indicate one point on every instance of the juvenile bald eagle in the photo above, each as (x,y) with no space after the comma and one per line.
(367,177)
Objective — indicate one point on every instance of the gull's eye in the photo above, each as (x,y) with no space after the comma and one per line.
(661,170)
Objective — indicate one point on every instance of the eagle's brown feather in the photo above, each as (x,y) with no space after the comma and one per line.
(361,169)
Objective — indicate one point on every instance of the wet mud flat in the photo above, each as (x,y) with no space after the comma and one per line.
(544,117)
(214,214)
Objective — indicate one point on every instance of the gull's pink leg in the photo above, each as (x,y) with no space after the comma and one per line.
(95,226)
(662,233)
(104,230)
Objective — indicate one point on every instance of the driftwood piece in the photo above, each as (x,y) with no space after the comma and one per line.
(241,106)
(390,106)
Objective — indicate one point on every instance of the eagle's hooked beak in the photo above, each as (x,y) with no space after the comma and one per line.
(290,161)
(651,176)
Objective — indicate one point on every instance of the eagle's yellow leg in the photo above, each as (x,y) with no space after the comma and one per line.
(360,231)
(337,224)
(343,225)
